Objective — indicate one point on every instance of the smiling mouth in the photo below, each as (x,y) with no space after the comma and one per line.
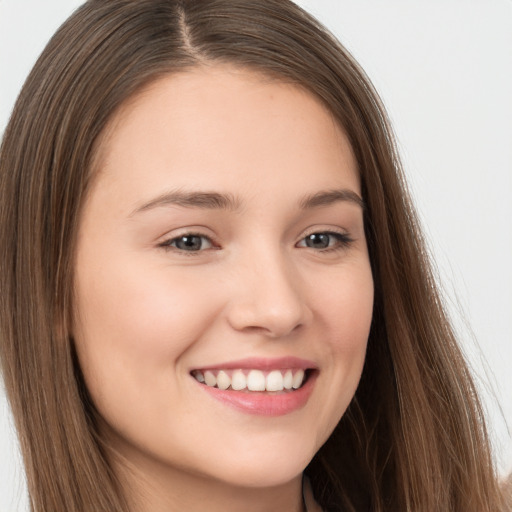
(253,380)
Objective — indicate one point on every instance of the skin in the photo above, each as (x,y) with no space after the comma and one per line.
(148,314)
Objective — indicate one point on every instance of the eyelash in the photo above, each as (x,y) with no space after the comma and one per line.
(342,241)
(168,244)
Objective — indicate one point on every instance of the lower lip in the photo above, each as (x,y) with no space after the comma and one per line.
(264,403)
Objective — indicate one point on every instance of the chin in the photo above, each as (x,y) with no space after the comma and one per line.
(263,471)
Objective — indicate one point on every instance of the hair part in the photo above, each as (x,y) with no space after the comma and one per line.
(413,438)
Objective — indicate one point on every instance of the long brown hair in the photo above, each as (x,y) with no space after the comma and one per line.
(413,437)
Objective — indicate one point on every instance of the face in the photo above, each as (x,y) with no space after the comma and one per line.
(223,286)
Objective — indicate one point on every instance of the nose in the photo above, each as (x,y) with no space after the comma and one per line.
(268,298)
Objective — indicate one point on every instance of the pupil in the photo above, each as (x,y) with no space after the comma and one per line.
(318,241)
(189,243)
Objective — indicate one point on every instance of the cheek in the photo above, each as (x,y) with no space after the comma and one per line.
(354,322)
(345,310)
(134,325)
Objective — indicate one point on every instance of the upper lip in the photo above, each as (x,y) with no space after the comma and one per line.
(262,363)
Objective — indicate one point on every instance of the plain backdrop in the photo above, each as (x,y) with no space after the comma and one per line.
(444,71)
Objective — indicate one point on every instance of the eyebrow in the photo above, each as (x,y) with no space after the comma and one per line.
(329,197)
(218,201)
(196,199)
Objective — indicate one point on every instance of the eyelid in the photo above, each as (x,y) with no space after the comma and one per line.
(167,243)
(342,236)
(327,229)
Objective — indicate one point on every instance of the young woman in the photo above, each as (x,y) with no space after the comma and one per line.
(214,290)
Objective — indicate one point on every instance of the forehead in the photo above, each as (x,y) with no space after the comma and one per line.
(218,123)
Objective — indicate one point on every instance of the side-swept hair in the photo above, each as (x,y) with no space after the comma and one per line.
(412,439)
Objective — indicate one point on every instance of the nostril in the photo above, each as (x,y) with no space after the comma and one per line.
(268,322)
(273,332)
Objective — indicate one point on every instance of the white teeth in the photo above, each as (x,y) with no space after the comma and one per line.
(297,379)
(274,381)
(210,379)
(288,380)
(238,380)
(256,381)
(223,380)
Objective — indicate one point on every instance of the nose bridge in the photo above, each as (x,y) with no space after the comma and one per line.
(268,296)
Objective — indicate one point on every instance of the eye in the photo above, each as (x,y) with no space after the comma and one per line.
(189,242)
(325,240)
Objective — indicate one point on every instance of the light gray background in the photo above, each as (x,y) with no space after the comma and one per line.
(444,70)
